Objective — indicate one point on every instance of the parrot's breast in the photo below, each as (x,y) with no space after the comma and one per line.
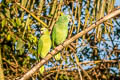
(46,45)
(61,35)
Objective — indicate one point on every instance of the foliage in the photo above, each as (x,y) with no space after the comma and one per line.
(97,51)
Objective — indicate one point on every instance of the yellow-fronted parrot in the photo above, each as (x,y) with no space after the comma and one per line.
(60,31)
(44,43)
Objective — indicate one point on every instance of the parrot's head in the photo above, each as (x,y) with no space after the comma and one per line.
(65,18)
(44,31)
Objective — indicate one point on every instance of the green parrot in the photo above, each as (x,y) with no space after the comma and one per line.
(60,32)
(44,43)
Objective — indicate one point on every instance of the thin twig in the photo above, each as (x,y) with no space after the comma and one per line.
(32,15)
(77,62)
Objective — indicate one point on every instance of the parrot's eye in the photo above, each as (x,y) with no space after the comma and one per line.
(41,32)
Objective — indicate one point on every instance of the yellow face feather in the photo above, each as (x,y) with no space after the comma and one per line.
(44,31)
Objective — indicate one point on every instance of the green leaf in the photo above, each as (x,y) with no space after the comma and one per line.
(7,12)
(13,22)
(18,22)
(20,44)
(21,51)
(26,60)
(2,16)
(8,37)
(58,56)
(3,22)
(34,39)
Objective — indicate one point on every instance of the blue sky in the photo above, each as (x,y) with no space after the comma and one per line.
(117,3)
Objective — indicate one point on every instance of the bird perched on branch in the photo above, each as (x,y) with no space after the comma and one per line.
(44,43)
(60,32)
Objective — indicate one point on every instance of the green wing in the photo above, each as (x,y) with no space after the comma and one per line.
(53,36)
(40,45)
